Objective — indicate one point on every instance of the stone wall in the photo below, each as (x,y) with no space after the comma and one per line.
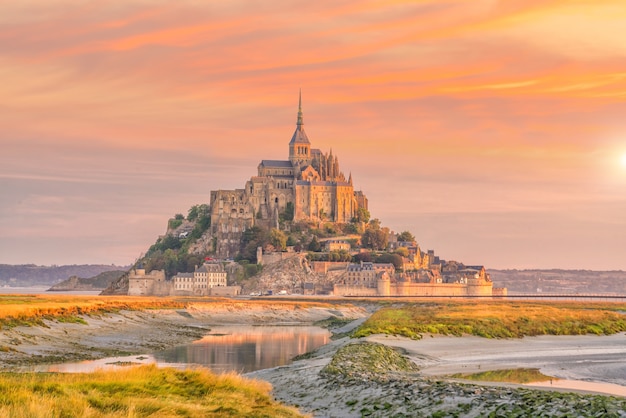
(225,291)
(275,257)
(386,288)
(142,284)
(348,290)
(500,291)
(324,267)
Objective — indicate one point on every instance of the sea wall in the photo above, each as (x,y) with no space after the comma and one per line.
(385,288)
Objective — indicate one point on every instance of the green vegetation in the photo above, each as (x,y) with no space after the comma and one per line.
(278,239)
(171,252)
(366,361)
(136,392)
(252,239)
(406,236)
(175,223)
(508,376)
(362,215)
(288,213)
(375,237)
(495,319)
(333,322)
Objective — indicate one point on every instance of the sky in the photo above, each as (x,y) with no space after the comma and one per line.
(492,130)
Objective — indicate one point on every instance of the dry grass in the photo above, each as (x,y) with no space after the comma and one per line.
(34,309)
(136,392)
(496,319)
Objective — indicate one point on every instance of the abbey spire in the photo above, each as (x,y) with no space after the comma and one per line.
(299,146)
(300,121)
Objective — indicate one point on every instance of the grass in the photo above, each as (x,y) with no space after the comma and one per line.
(34,310)
(495,319)
(136,392)
(508,376)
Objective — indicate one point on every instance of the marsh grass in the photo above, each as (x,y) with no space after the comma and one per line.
(34,310)
(136,392)
(522,375)
(495,319)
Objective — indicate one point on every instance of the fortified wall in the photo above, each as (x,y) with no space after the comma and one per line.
(385,287)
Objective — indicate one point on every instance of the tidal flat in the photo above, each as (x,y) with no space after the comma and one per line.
(37,329)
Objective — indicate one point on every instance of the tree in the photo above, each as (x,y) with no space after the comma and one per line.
(169,242)
(402,251)
(376,239)
(251,239)
(362,215)
(366,257)
(394,259)
(350,228)
(179,217)
(374,224)
(314,245)
(288,213)
(278,239)
(406,236)
(193,213)
(291,241)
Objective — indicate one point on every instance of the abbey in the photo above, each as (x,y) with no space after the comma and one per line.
(307,186)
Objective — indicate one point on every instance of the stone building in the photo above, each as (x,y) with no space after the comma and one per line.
(366,273)
(307,186)
(337,245)
(201,281)
(141,283)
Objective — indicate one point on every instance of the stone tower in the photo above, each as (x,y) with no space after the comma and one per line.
(299,146)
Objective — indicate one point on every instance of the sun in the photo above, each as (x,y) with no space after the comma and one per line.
(623,160)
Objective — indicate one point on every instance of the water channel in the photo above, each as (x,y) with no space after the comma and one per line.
(238,348)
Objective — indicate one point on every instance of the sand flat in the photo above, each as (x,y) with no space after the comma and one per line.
(579,358)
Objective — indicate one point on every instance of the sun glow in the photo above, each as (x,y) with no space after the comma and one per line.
(623,160)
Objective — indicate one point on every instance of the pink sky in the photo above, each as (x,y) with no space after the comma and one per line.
(493,130)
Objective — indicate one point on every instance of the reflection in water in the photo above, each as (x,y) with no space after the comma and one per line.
(238,348)
(247,348)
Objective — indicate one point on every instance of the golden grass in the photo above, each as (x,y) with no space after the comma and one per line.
(496,319)
(137,392)
(33,309)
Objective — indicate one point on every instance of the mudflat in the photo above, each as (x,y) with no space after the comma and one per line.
(57,338)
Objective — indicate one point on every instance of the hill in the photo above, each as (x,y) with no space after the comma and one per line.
(560,281)
(24,275)
(99,282)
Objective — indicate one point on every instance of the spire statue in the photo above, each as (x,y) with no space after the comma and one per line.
(300,121)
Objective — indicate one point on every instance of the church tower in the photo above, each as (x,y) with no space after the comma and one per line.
(299,146)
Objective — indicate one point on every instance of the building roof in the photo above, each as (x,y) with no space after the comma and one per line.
(365,265)
(210,268)
(276,163)
(184,275)
(299,136)
(321,183)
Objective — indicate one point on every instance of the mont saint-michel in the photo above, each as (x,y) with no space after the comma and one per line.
(297,227)
(309,186)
